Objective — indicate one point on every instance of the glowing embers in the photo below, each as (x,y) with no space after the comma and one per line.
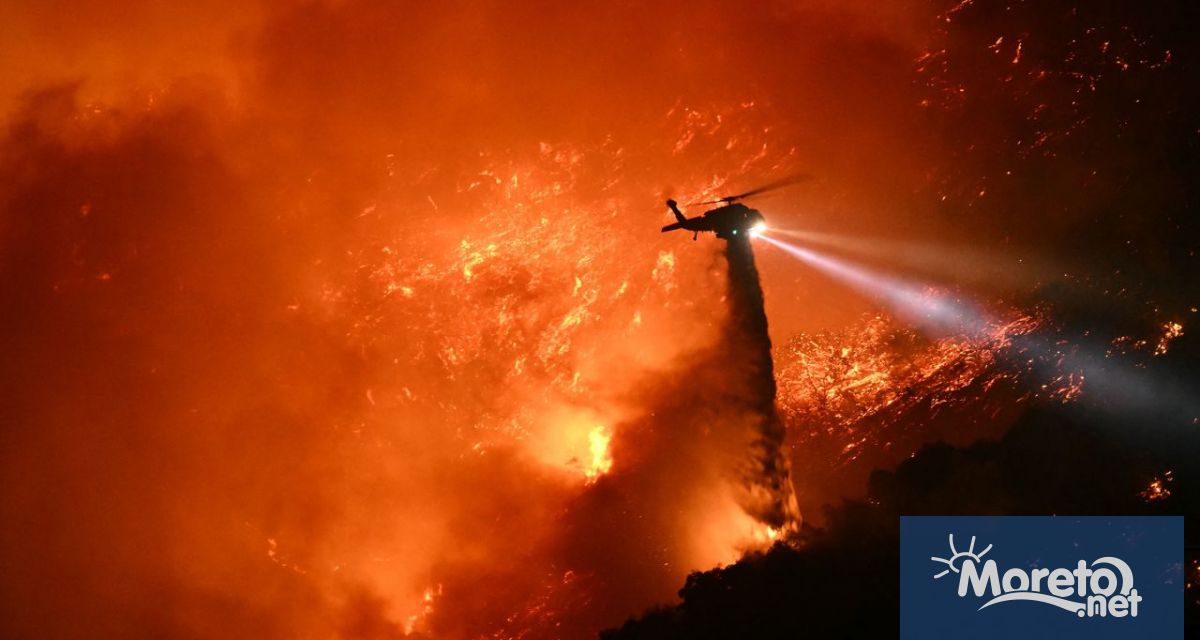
(1159,488)
(833,380)
(1171,331)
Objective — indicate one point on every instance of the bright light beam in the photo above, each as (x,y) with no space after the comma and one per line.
(973,264)
(1110,383)
(922,305)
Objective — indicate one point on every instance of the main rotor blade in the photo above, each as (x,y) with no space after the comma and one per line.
(770,186)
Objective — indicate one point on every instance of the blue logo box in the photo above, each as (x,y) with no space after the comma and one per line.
(1034,577)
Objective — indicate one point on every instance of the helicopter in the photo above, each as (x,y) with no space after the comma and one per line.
(732,219)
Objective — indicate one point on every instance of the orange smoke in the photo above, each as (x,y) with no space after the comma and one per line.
(351,319)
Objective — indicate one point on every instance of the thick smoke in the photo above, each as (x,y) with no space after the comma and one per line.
(312,311)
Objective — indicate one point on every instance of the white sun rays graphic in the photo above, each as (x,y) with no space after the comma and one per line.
(956,557)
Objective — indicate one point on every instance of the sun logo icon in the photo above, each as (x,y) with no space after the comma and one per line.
(957,557)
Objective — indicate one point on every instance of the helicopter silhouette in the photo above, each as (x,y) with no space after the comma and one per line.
(732,219)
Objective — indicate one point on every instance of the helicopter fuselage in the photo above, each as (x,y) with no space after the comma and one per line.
(729,222)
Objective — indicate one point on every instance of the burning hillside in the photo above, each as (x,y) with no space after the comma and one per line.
(352,319)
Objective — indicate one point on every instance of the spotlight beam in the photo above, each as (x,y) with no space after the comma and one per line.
(914,302)
(1113,384)
(964,263)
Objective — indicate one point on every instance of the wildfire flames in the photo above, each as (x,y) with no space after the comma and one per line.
(352,320)
(601,462)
